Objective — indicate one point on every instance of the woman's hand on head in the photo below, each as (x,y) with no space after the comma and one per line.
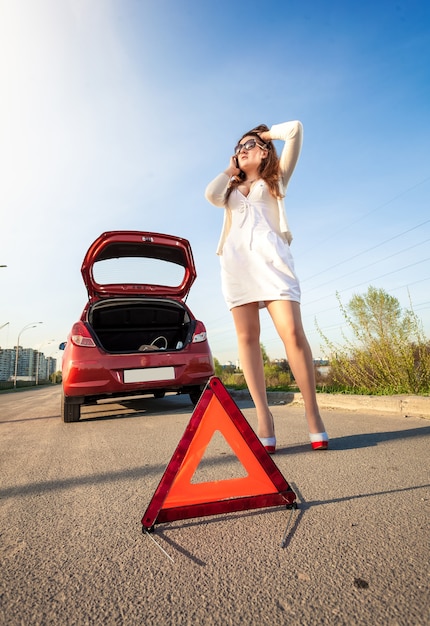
(265,135)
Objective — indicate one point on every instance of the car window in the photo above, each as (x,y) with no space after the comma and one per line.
(138,270)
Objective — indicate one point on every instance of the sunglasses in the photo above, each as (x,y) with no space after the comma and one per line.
(248,145)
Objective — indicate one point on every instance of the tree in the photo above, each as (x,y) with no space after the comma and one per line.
(378,316)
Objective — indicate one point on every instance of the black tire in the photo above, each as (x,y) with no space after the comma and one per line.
(195,395)
(70,412)
(159,394)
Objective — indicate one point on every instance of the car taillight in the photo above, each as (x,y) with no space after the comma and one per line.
(199,334)
(80,336)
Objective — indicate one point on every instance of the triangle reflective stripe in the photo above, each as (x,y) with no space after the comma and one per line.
(177,497)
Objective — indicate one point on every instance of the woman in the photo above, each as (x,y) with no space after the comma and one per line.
(257,268)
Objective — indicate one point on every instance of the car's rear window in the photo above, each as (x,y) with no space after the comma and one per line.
(138,270)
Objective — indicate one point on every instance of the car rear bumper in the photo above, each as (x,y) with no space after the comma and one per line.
(105,377)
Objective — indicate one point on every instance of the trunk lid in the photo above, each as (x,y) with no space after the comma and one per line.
(138,263)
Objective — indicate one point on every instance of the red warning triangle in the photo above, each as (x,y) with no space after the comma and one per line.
(176,497)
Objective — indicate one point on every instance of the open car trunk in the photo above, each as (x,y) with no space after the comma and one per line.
(133,325)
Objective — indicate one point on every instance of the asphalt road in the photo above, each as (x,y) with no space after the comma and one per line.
(72,497)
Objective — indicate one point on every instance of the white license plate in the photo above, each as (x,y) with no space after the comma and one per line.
(149,374)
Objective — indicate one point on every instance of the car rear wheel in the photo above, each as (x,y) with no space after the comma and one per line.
(195,395)
(69,412)
(159,394)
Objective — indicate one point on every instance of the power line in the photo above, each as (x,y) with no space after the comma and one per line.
(366,251)
(379,207)
(369,282)
(390,256)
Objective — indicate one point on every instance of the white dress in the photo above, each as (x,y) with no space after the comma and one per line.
(256,261)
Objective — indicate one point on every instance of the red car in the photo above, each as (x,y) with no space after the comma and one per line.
(136,335)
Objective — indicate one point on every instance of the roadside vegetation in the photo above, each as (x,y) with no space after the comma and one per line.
(384,351)
(277,374)
(7,385)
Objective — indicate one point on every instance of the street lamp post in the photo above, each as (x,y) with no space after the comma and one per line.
(31,325)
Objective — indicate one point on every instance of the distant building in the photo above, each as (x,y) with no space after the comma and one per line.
(31,364)
(7,363)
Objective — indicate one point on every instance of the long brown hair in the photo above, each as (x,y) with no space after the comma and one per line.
(269,167)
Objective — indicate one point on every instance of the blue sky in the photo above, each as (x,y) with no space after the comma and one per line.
(116,115)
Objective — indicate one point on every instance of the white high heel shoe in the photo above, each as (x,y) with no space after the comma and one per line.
(269,443)
(319,441)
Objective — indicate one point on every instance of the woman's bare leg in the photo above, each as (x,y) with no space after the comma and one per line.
(287,318)
(247,322)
